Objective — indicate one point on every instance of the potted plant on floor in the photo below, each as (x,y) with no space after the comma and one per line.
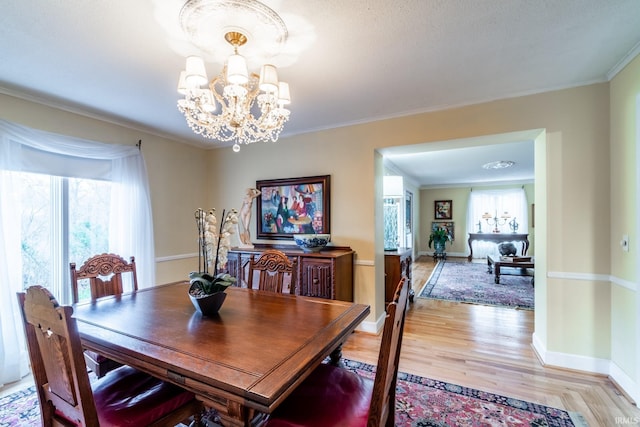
(439,237)
(207,291)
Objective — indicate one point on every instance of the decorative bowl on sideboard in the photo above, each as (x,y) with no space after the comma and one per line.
(312,242)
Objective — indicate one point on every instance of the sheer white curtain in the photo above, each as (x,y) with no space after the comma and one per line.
(495,202)
(13,356)
(23,149)
(131,227)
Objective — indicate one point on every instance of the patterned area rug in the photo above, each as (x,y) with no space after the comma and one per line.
(470,282)
(421,402)
(20,408)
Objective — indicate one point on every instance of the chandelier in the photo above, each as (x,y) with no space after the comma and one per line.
(235,105)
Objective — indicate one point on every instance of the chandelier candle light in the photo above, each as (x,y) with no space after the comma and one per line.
(223,109)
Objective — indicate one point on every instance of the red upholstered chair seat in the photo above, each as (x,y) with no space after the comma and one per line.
(128,397)
(330,396)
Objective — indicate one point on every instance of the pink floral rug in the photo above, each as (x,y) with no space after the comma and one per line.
(420,402)
(470,282)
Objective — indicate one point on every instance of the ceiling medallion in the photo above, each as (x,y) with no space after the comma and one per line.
(235,105)
(205,22)
(500,164)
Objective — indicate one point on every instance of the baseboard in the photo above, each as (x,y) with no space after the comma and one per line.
(449,254)
(625,383)
(592,365)
(372,327)
(570,361)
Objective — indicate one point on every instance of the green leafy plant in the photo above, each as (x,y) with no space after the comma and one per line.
(206,284)
(439,236)
(213,246)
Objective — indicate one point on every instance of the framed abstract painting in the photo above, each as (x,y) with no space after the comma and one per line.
(291,206)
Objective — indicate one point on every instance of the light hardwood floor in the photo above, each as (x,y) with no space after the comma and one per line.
(489,348)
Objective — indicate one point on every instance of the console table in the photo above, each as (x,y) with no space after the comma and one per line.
(498,238)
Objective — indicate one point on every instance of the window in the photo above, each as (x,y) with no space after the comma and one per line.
(392,219)
(496,203)
(45,219)
(393,199)
(64,220)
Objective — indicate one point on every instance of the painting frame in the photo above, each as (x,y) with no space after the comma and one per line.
(443,209)
(288,206)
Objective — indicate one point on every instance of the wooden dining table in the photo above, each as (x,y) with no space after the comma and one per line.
(243,362)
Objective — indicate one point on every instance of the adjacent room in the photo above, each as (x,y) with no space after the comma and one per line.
(465,188)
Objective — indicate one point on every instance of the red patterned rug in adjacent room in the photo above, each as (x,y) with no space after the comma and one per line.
(420,402)
(470,282)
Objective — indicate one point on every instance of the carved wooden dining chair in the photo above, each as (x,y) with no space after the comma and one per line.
(104,276)
(124,397)
(335,396)
(273,267)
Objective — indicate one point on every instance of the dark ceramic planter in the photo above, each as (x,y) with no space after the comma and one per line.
(208,305)
(439,247)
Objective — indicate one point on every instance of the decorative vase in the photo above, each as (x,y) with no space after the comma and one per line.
(207,305)
(439,247)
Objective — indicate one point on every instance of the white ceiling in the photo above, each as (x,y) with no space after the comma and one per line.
(346,62)
(438,167)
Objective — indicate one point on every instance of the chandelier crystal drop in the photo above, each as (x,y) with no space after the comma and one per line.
(235,105)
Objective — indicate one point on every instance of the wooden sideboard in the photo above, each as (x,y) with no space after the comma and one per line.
(397,264)
(326,274)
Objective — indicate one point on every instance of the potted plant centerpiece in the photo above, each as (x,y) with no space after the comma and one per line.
(206,290)
(439,237)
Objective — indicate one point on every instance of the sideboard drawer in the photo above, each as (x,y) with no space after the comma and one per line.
(317,278)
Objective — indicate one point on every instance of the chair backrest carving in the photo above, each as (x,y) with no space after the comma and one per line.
(57,362)
(382,408)
(104,273)
(273,266)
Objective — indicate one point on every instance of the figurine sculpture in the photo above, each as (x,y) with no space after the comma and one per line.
(245,217)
